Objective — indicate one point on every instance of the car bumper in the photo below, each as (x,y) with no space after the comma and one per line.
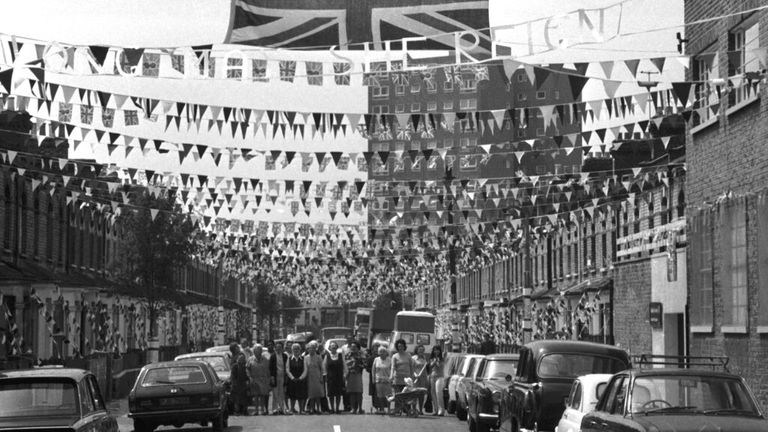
(488,419)
(192,415)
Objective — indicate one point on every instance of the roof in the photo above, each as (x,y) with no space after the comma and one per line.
(503,356)
(541,347)
(46,372)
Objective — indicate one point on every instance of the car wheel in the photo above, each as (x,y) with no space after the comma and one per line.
(451,407)
(471,424)
(461,413)
(217,424)
(142,426)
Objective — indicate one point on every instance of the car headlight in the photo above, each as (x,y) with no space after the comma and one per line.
(496,398)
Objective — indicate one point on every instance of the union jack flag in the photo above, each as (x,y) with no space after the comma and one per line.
(324,23)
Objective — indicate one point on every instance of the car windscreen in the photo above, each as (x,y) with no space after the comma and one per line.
(691,394)
(572,365)
(38,398)
(499,369)
(218,363)
(173,375)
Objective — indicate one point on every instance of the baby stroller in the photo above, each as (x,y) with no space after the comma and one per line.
(406,402)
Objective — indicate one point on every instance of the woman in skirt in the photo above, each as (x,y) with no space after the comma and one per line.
(334,368)
(297,379)
(313,363)
(354,377)
(382,367)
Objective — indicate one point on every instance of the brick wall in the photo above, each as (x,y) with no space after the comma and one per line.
(631,296)
(730,156)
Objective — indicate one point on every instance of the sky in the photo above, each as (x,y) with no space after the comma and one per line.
(152,23)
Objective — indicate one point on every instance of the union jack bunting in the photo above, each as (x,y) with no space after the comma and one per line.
(323,23)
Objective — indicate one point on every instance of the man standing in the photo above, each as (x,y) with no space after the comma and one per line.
(239,380)
(277,367)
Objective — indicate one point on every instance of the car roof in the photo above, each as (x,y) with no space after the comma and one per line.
(542,347)
(175,363)
(502,356)
(593,379)
(678,371)
(46,372)
(203,354)
(415,314)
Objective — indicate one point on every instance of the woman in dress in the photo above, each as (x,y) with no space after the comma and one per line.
(437,380)
(355,364)
(297,379)
(402,366)
(382,369)
(335,371)
(258,373)
(277,377)
(420,375)
(313,363)
(371,354)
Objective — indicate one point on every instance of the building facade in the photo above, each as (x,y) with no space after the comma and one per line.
(727,187)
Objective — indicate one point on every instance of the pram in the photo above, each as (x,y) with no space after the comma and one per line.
(406,402)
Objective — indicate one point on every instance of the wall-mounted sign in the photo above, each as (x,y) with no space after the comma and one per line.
(655,314)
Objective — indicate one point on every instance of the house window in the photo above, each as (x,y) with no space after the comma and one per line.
(468,163)
(557,94)
(380,92)
(558,168)
(704,69)
(468,104)
(522,97)
(416,86)
(431,106)
(399,108)
(734,275)
(701,273)
(743,41)
(541,95)
(540,132)
(399,89)
(416,106)
(381,109)
(448,143)
(469,85)
(448,86)
(521,77)
(448,105)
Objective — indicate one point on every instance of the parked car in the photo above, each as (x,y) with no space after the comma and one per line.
(453,381)
(220,361)
(340,342)
(451,367)
(679,400)
(544,377)
(175,393)
(51,398)
(585,392)
(218,348)
(462,387)
(494,375)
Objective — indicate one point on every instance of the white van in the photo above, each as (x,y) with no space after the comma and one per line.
(415,328)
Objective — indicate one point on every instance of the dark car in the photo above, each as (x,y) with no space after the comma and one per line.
(494,375)
(545,373)
(679,400)
(52,399)
(220,362)
(175,393)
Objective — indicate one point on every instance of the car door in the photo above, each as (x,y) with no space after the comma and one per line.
(475,384)
(94,415)
(571,419)
(464,383)
(598,420)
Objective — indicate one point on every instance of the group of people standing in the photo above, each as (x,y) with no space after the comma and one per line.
(389,375)
(302,377)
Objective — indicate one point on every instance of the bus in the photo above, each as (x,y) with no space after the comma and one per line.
(362,325)
(415,328)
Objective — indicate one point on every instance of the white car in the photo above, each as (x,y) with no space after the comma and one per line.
(582,399)
(453,382)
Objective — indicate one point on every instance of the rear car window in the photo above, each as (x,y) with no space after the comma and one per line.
(499,368)
(173,375)
(570,365)
(38,398)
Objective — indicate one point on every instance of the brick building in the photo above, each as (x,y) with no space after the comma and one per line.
(727,187)
(58,295)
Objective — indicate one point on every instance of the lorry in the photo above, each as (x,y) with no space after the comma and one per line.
(380,324)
